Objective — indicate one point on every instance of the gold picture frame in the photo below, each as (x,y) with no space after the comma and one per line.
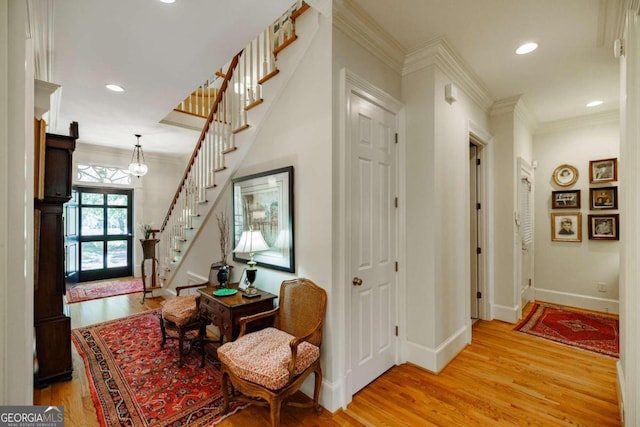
(565,175)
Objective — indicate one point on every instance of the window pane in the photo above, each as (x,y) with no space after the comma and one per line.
(117,253)
(117,218)
(117,199)
(92,199)
(92,255)
(92,221)
(106,175)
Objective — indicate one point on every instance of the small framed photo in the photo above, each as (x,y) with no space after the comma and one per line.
(603,198)
(566,227)
(565,199)
(565,175)
(604,227)
(243,282)
(604,170)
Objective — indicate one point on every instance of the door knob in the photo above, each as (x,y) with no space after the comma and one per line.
(356,281)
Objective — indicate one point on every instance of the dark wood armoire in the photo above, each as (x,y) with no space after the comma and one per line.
(52,326)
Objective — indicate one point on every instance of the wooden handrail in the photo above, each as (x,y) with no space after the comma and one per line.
(205,129)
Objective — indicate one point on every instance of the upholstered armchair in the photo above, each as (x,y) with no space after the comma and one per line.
(270,365)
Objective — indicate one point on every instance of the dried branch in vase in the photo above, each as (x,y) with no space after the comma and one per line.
(223,226)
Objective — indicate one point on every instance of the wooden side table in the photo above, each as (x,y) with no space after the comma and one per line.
(149,253)
(225,311)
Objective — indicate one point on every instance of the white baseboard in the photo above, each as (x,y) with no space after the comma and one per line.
(580,301)
(329,393)
(504,313)
(434,360)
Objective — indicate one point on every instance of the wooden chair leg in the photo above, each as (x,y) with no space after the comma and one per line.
(180,347)
(203,333)
(225,392)
(275,412)
(164,332)
(316,390)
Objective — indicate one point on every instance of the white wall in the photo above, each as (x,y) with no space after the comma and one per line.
(16,219)
(629,364)
(567,272)
(437,217)
(152,193)
(511,129)
(348,54)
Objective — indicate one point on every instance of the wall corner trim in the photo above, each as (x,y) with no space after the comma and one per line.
(438,52)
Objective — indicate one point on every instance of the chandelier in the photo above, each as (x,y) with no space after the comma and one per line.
(137,166)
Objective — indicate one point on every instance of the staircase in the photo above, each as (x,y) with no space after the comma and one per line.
(238,96)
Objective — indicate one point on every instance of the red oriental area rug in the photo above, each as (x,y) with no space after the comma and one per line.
(133,382)
(89,291)
(597,332)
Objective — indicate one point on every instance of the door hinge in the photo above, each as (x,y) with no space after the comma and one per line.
(478,206)
(478,162)
(479,251)
(396,137)
(396,330)
(529,282)
(396,266)
(396,202)
(478,294)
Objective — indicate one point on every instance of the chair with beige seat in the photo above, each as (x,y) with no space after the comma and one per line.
(181,319)
(270,365)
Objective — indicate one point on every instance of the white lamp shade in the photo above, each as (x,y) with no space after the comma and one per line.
(282,242)
(251,241)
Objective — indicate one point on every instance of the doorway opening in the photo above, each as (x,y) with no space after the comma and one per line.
(476,192)
(100,245)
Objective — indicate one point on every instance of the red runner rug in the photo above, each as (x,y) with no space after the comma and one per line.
(89,291)
(586,330)
(134,382)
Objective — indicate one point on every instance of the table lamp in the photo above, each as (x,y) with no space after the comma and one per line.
(251,241)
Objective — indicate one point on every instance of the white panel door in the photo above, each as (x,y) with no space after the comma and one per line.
(373,240)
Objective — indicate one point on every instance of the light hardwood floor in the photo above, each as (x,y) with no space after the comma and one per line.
(504,378)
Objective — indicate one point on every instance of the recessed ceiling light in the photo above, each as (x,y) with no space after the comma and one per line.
(168,1)
(114,88)
(526,48)
(595,103)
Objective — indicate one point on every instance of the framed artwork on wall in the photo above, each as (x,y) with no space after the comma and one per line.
(604,170)
(565,175)
(569,199)
(603,198)
(263,209)
(604,227)
(566,227)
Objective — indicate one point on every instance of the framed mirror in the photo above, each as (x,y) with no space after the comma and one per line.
(263,202)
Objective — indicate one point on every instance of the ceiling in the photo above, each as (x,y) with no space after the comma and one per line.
(160,52)
(573,65)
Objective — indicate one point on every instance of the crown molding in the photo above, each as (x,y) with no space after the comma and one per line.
(438,52)
(516,106)
(505,105)
(352,20)
(596,119)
